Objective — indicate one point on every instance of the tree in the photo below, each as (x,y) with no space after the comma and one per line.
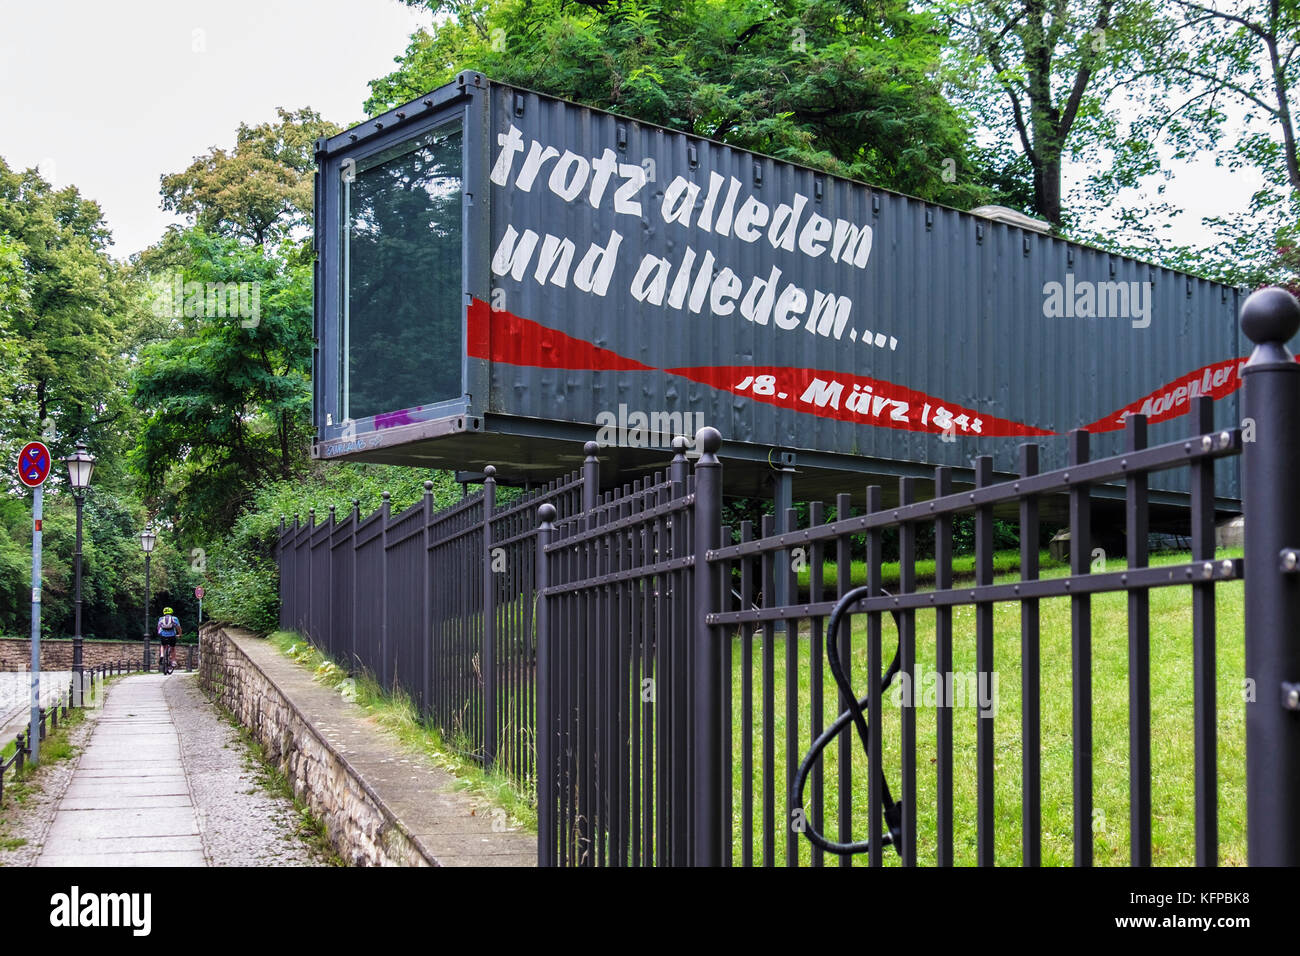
(227,399)
(227,396)
(1041,74)
(262,190)
(12,290)
(1216,77)
(17,408)
(1243,50)
(66,302)
(850,88)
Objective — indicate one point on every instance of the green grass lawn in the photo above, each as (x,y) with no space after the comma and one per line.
(963,567)
(1172,799)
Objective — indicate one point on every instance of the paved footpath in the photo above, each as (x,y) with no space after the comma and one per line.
(129,803)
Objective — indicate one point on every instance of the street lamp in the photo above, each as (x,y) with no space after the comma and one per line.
(80,466)
(147,539)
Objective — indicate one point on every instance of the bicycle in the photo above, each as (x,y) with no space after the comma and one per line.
(169,631)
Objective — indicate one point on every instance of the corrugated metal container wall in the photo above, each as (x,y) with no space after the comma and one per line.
(949,306)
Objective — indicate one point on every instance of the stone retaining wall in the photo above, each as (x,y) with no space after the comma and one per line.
(56,653)
(364,831)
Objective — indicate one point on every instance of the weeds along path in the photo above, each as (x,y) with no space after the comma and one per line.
(246,812)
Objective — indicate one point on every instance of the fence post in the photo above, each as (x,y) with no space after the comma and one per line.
(782,503)
(489,624)
(546,776)
(297,591)
(679,469)
(386,507)
(711,793)
(426,587)
(328,596)
(279,561)
(590,477)
(305,612)
(352,631)
(1271,462)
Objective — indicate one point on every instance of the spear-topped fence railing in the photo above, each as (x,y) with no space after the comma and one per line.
(627,655)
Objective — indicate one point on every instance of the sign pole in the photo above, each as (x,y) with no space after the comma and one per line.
(34,734)
(198,593)
(33,469)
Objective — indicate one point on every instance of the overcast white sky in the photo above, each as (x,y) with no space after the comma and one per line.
(109,96)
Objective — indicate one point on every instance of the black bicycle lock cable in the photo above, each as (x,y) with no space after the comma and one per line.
(893,812)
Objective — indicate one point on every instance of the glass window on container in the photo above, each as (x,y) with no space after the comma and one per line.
(401,322)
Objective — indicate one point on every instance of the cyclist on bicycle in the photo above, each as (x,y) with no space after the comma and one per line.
(169,629)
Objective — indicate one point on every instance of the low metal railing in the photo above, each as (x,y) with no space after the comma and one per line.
(49,717)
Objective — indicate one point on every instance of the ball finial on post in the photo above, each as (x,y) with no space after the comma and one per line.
(546,513)
(490,472)
(708,440)
(1270,317)
(679,468)
(591,448)
(428,487)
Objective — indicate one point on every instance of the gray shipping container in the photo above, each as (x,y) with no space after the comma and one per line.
(503,276)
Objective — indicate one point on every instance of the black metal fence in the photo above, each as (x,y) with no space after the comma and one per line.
(614,689)
(683,715)
(438,604)
(806,630)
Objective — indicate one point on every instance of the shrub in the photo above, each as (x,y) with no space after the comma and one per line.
(244,577)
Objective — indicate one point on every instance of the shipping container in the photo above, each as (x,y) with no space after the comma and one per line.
(503,276)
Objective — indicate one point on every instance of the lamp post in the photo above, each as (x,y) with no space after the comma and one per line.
(147,539)
(80,466)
